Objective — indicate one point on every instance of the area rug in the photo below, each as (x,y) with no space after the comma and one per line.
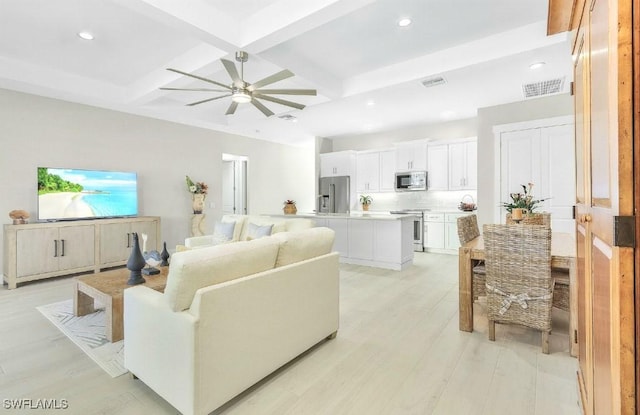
(88,333)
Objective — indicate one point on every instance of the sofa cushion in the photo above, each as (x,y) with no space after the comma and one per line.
(197,268)
(239,220)
(304,244)
(223,231)
(255,231)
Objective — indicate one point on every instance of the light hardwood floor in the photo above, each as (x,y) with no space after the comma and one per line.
(398,351)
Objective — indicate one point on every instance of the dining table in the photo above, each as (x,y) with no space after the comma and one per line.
(563,256)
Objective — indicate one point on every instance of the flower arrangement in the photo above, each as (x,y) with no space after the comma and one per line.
(365,199)
(523,200)
(196,187)
(289,202)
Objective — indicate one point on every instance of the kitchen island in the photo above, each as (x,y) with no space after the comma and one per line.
(372,239)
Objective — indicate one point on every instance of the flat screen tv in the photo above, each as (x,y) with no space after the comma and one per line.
(67,194)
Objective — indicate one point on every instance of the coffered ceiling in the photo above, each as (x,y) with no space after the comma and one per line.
(368,71)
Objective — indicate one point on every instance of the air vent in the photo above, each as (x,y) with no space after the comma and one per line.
(434,81)
(542,88)
(287,117)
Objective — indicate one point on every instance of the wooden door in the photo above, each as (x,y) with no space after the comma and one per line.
(37,251)
(77,246)
(604,121)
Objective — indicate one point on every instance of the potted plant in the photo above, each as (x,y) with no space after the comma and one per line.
(365,201)
(290,207)
(521,204)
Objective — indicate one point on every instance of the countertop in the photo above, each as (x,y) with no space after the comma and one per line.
(352,215)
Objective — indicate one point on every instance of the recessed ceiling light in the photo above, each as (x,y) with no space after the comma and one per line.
(537,65)
(85,35)
(404,22)
(371,103)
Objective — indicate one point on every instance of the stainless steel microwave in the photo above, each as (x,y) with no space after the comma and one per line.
(411,181)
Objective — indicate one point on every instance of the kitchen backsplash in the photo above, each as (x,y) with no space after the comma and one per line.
(431,199)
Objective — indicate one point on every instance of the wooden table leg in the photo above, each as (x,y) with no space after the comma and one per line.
(115,324)
(82,303)
(465,290)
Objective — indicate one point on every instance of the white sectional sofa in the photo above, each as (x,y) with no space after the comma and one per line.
(243,223)
(230,315)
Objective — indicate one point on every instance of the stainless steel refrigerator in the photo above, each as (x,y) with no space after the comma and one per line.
(334,195)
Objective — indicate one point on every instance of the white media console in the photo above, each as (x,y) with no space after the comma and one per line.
(44,250)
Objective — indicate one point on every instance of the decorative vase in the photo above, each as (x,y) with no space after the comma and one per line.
(290,209)
(164,255)
(135,263)
(198,202)
(365,207)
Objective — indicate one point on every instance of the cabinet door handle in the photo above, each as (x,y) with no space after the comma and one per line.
(62,246)
(55,248)
(128,240)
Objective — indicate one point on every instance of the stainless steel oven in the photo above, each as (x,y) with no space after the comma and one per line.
(418,227)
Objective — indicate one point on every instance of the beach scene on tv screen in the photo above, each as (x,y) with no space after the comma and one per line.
(72,193)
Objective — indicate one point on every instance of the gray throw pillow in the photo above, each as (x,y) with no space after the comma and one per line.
(223,231)
(254,231)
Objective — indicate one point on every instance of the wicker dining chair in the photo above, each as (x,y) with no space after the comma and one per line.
(467,231)
(560,277)
(519,282)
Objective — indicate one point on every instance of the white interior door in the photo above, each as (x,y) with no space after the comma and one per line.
(544,156)
(234,184)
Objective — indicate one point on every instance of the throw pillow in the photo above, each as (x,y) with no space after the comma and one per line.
(256,231)
(223,231)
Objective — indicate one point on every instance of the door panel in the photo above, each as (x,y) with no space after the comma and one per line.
(601,260)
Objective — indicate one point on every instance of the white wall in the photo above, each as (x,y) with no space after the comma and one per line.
(44,132)
(385,139)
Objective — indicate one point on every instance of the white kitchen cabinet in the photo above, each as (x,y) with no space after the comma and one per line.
(463,163)
(438,167)
(387,170)
(339,163)
(341,241)
(411,155)
(368,171)
(441,232)
(361,238)
(434,233)
(451,239)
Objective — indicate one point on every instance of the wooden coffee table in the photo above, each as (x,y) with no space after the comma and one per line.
(108,288)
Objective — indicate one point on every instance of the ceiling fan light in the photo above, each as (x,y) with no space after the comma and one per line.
(241,97)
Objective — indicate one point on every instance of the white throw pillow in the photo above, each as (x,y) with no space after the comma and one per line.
(223,232)
(256,231)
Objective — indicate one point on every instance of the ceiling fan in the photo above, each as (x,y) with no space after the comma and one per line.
(242,92)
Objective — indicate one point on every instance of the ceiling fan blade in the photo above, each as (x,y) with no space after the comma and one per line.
(287,91)
(232,108)
(266,111)
(195,89)
(284,74)
(207,100)
(279,101)
(199,77)
(233,72)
